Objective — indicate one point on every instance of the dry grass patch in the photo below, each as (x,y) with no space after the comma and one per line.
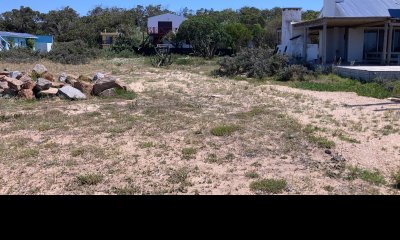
(89,179)
(224,130)
(269,186)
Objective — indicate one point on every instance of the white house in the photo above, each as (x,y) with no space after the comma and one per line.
(164,23)
(361,31)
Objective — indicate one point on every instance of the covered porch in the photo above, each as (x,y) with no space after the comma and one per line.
(352,40)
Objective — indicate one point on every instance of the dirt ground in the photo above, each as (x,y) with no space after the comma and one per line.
(171,138)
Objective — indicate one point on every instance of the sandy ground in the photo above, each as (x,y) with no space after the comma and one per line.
(138,146)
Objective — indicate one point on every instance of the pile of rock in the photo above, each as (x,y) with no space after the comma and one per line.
(42,84)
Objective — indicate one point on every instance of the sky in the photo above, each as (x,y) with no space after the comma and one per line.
(83,6)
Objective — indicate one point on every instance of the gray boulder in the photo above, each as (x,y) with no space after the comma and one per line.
(107,83)
(39,69)
(108,93)
(15,74)
(71,93)
(42,84)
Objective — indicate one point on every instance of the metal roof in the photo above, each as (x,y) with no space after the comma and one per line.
(168,15)
(17,35)
(368,8)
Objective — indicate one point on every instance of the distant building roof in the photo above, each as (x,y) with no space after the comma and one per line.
(18,35)
(168,15)
(367,8)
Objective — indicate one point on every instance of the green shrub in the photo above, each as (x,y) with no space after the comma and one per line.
(273,186)
(396,178)
(89,179)
(293,73)
(20,55)
(365,175)
(257,63)
(224,130)
(75,52)
(334,83)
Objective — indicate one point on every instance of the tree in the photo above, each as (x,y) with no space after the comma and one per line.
(204,34)
(62,24)
(239,35)
(23,20)
(310,15)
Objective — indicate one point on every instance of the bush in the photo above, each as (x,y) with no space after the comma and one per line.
(20,55)
(75,52)
(258,63)
(272,186)
(293,73)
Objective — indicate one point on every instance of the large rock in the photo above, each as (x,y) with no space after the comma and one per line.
(84,87)
(71,93)
(98,76)
(57,84)
(4,73)
(39,70)
(13,84)
(107,83)
(28,84)
(3,85)
(108,93)
(25,78)
(48,76)
(26,94)
(15,74)
(51,92)
(42,84)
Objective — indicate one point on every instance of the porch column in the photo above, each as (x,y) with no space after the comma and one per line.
(389,56)
(305,43)
(324,42)
(385,43)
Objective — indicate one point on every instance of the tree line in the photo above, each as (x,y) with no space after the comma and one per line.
(232,28)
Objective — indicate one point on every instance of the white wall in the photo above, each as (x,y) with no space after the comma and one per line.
(43,47)
(152,22)
(356,44)
(329,9)
(288,17)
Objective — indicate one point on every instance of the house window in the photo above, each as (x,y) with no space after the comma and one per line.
(373,41)
(396,41)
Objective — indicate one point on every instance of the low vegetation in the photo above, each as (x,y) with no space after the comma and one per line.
(89,179)
(374,177)
(269,186)
(224,130)
(334,83)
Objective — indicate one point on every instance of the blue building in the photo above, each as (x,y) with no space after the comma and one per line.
(21,40)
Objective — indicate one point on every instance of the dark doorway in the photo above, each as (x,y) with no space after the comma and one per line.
(164,27)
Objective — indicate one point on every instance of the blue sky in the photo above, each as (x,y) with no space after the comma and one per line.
(83,6)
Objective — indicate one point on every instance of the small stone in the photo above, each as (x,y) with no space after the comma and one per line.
(98,76)
(71,93)
(329,152)
(63,77)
